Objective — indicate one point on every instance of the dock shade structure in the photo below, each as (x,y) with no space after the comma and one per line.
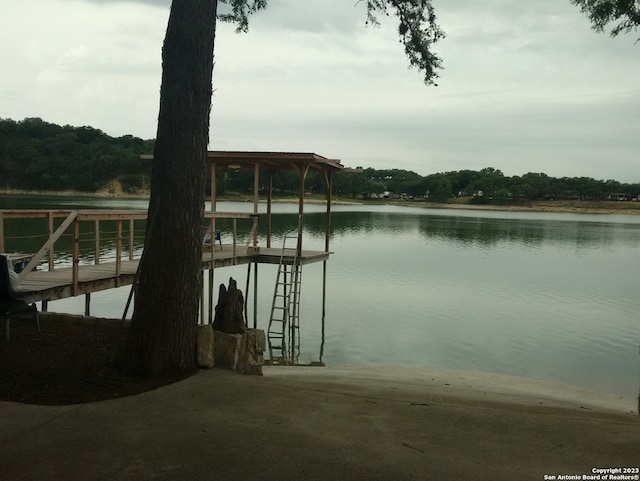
(89,269)
(268,163)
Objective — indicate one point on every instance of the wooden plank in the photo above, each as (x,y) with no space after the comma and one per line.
(60,283)
(34,214)
(40,254)
(111,214)
(229,215)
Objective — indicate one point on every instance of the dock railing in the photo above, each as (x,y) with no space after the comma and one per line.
(60,222)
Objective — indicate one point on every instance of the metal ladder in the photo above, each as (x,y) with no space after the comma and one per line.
(283,333)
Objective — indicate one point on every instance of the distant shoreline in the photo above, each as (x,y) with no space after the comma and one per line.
(559,206)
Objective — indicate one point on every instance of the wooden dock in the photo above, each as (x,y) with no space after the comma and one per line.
(64,277)
(59,284)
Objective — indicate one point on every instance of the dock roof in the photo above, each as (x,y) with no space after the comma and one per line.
(273,160)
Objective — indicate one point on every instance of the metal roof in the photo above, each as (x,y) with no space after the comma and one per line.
(273,160)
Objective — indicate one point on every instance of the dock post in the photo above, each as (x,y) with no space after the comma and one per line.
(255,297)
(201,297)
(2,249)
(96,241)
(131,238)
(87,304)
(49,234)
(211,293)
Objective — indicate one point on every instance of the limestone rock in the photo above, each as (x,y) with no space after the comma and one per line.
(243,353)
(227,349)
(205,347)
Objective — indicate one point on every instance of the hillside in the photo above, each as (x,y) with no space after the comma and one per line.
(37,156)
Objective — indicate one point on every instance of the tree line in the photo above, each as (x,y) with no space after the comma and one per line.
(38,155)
(488,185)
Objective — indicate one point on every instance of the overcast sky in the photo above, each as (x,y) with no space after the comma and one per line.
(527,86)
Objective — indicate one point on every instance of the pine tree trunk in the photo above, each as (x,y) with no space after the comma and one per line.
(163,330)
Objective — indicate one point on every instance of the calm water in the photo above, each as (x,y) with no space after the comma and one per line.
(548,296)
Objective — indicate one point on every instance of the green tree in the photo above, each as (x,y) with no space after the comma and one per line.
(162,335)
(439,188)
(624,14)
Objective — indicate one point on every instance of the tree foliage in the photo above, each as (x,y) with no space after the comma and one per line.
(417,27)
(240,11)
(418,30)
(488,185)
(38,155)
(624,15)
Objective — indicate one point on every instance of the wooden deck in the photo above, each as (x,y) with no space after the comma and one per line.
(58,284)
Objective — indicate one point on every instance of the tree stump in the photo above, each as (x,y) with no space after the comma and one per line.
(229,316)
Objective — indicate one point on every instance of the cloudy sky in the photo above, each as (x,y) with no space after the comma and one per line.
(526,86)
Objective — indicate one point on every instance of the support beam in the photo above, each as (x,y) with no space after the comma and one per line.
(328,177)
(256,198)
(304,169)
(2,249)
(76,257)
(132,235)
(96,241)
(49,234)
(40,254)
(255,296)
(269,201)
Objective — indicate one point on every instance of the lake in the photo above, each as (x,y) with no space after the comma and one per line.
(541,295)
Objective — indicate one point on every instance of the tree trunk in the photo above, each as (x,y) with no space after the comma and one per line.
(163,329)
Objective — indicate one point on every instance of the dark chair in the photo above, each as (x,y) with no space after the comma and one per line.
(10,305)
(207,238)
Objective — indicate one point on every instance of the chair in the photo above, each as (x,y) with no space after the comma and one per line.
(10,304)
(207,238)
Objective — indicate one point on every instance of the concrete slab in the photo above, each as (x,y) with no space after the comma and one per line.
(320,424)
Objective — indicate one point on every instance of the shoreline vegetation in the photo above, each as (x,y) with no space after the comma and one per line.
(558,206)
(83,161)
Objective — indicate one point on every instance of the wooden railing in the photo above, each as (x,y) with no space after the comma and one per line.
(71,220)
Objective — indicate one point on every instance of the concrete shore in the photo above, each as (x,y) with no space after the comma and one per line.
(326,424)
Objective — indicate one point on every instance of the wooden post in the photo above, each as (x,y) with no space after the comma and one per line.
(234,222)
(269,199)
(49,234)
(201,297)
(2,249)
(96,241)
(327,233)
(131,238)
(303,174)
(255,296)
(87,304)
(246,294)
(118,252)
(76,255)
(212,227)
(212,223)
(256,196)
